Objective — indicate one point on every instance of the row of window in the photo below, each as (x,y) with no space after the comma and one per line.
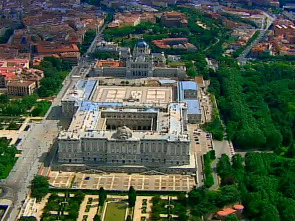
(139,73)
(124,149)
(130,147)
(130,161)
(144,159)
(139,66)
(129,116)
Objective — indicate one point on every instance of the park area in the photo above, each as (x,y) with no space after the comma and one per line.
(115,211)
(63,207)
(13,123)
(7,157)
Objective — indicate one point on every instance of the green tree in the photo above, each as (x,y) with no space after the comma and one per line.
(231,217)
(228,194)
(268,212)
(237,162)
(28,218)
(4,38)
(191,72)
(182,199)
(131,196)
(291,151)
(4,98)
(212,155)
(96,217)
(288,213)
(128,218)
(79,196)
(223,166)
(102,196)
(39,187)
(209,180)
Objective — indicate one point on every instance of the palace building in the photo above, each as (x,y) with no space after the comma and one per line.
(128,129)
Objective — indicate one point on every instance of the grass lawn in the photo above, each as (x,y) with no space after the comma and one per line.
(115,211)
(175,64)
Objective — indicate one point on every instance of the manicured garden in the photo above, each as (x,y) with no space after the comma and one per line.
(174,209)
(64,208)
(7,123)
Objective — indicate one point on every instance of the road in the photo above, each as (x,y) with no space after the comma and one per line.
(97,39)
(264,27)
(37,142)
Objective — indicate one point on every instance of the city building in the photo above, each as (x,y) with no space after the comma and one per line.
(17,70)
(188,93)
(175,43)
(264,48)
(20,88)
(130,129)
(51,48)
(159,3)
(174,19)
(103,46)
(140,64)
(274,3)
(125,19)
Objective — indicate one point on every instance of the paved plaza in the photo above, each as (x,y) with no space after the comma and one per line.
(133,94)
(122,181)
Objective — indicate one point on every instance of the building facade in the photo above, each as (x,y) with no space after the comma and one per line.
(21,88)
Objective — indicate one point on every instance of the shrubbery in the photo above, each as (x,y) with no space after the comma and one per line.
(209,180)
(53,70)
(7,157)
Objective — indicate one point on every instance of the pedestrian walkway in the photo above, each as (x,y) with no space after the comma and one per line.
(139,210)
(14,134)
(93,208)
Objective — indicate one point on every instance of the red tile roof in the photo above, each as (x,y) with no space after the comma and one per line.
(238,207)
(226,212)
(57,48)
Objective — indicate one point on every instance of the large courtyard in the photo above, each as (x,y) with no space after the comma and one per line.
(142,95)
(122,181)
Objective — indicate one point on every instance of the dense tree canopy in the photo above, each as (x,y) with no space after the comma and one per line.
(39,187)
(201,37)
(256,102)
(263,182)
(54,70)
(88,38)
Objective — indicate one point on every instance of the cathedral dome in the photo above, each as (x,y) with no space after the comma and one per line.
(123,133)
(141,44)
